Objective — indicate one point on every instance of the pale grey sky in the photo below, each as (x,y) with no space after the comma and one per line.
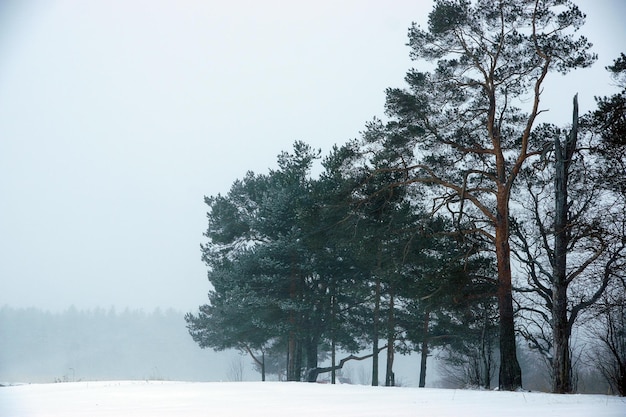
(118,116)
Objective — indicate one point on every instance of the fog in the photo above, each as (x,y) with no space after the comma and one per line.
(117,118)
(38,346)
(75,345)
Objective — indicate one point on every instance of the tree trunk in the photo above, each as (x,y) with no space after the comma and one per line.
(510,377)
(296,341)
(561,328)
(375,332)
(259,362)
(297,371)
(485,352)
(311,358)
(391,341)
(333,343)
(291,354)
(424,350)
(621,380)
(333,362)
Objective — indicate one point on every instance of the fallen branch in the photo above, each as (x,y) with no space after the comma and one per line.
(314,372)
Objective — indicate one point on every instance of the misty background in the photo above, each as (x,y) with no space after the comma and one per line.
(118,117)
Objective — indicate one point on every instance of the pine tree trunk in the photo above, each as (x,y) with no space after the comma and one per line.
(311,358)
(389,375)
(297,371)
(333,343)
(291,355)
(333,362)
(510,377)
(485,352)
(292,343)
(424,350)
(375,332)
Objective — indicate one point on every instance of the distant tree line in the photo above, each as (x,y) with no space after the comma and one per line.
(459,223)
(100,344)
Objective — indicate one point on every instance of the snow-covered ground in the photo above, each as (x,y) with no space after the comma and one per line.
(275,399)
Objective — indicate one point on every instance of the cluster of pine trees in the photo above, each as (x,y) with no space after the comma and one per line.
(459,223)
(301,265)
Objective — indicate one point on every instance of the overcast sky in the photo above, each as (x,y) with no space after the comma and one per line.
(118,116)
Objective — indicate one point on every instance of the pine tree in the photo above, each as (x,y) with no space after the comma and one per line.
(457,127)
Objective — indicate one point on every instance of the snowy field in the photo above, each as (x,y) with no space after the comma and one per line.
(190,399)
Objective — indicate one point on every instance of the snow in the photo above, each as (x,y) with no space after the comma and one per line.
(190,399)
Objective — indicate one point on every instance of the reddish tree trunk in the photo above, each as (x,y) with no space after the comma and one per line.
(510,377)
